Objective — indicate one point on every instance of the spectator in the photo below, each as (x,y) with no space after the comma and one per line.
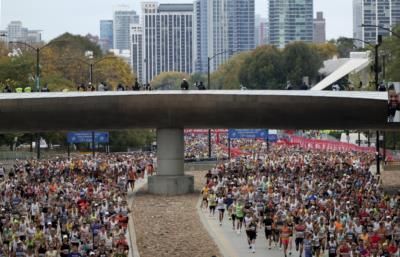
(7,89)
(81,87)
(28,89)
(45,88)
(19,89)
(100,87)
(120,87)
(184,85)
(91,87)
(201,86)
(136,86)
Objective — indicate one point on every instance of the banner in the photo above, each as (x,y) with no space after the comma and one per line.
(86,137)
(248,133)
(328,145)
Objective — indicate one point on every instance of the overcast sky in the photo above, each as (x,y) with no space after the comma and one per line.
(55,17)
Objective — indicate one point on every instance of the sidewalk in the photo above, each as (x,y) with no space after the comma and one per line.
(131,234)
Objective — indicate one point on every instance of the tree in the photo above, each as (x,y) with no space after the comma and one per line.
(300,60)
(391,46)
(325,50)
(114,71)
(170,80)
(263,69)
(344,46)
(227,75)
(138,138)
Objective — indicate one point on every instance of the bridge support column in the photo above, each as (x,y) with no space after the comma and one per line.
(170,178)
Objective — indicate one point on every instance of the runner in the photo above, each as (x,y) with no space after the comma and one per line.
(300,229)
(284,237)
(221,208)
(251,232)
(268,222)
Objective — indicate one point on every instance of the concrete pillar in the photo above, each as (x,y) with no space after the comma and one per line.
(170,178)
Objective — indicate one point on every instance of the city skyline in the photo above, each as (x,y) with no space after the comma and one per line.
(338,15)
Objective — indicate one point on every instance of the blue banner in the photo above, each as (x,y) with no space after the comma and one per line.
(248,133)
(86,137)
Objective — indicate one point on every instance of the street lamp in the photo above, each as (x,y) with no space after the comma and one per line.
(37,50)
(376,70)
(91,64)
(209,65)
(209,86)
(380,27)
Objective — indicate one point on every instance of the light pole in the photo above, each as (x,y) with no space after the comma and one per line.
(91,65)
(37,50)
(376,71)
(209,87)
(380,27)
(209,65)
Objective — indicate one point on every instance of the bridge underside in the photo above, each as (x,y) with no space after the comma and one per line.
(192,109)
(172,111)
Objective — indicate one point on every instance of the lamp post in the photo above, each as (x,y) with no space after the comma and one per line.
(209,65)
(209,87)
(37,51)
(376,71)
(91,65)
(380,27)
(37,79)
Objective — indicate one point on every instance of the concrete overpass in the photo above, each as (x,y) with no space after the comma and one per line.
(172,111)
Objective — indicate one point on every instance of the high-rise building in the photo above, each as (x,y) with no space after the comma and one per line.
(227,25)
(261,31)
(290,20)
(106,35)
(383,13)
(137,50)
(167,38)
(16,32)
(319,29)
(200,36)
(123,17)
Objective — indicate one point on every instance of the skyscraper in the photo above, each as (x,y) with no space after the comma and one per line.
(319,28)
(222,28)
(290,20)
(167,38)
(383,13)
(123,17)
(200,35)
(137,50)
(106,35)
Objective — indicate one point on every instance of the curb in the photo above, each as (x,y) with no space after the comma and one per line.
(132,233)
(223,244)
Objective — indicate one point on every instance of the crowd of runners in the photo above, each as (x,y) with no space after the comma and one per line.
(68,208)
(305,203)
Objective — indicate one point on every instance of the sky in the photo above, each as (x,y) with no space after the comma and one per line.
(55,17)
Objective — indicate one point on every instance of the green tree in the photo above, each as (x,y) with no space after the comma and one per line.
(263,69)
(344,46)
(391,47)
(227,75)
(138,138)
(301,60)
